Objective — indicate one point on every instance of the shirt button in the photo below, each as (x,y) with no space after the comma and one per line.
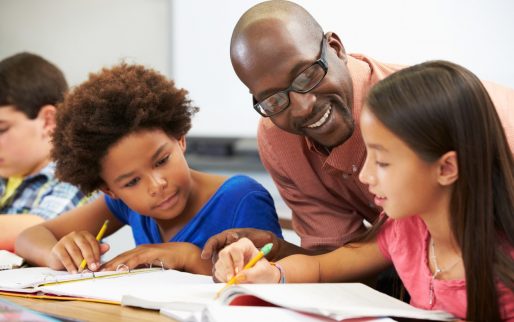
(354,168)
(345,176)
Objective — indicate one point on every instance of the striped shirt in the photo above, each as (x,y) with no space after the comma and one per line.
(327,200)
(42,194)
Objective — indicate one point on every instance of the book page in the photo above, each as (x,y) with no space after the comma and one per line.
(9,260)
(114,288)
(223,313)
(27,277)
(32,277)
(335,300)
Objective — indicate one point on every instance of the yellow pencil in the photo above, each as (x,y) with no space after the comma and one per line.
(262,252)
(98,237)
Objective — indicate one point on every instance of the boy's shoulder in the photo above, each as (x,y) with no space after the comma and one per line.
(241,183)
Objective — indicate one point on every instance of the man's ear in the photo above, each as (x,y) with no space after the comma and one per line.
(334,42)
(448,168)
(108,191)
(47,115)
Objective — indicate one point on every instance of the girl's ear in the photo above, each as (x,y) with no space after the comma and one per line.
(448,168)
(105,189)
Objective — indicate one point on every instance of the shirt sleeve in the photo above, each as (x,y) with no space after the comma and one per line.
(118,208)
(321,222)
(58,198)
(386,236)
(256,210)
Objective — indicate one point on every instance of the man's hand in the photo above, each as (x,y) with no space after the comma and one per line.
(258,237)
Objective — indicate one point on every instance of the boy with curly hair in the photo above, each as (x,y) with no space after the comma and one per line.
(30,89)
(123,132)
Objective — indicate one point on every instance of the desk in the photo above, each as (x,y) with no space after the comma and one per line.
(88,311)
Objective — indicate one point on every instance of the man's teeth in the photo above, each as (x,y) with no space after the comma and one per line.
(322,120)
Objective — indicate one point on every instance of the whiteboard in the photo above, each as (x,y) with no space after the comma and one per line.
(188,40)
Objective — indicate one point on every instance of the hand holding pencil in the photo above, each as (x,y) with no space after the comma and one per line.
(243,262)
(99,236)
(78,249)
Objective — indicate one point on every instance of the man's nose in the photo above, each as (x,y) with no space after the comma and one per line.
(302,104)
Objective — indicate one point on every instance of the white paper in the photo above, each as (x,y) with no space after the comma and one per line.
(114,288)
(337,301)
(9,260)
(31,277)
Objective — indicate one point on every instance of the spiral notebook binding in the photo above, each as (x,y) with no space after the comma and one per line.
(121,269)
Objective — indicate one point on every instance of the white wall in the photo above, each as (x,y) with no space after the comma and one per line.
(82,36)
(475,33)
(189,40)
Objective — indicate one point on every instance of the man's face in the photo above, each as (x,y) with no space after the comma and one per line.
(267,61)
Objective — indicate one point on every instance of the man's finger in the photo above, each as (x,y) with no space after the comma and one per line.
(210,247)
(218,242)
(231,238)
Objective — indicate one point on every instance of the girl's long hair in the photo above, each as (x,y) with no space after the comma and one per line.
(436,107)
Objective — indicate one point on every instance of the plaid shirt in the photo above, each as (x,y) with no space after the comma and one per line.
(42,195)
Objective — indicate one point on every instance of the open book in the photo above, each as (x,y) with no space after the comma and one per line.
(223,313)
(106,287)
(193,295)
(332,301)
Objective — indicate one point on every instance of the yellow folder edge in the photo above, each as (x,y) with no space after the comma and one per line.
(57,297)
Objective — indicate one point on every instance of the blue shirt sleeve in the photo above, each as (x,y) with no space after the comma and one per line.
(241,202)
(118,208)
(257,210)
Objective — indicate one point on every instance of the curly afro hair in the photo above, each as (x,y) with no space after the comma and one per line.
(107,107)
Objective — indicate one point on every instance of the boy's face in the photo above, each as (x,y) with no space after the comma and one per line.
(24,143)
(148,171)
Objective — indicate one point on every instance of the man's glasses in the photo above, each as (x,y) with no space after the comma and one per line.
(304,82)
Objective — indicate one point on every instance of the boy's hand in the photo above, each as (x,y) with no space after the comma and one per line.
(176,255)
(69,252)
(234,257)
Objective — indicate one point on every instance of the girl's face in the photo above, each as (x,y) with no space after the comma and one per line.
(403,184)
(148,171)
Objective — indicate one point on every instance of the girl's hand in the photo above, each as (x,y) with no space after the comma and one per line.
(176,255)
(234,257)
(70,250)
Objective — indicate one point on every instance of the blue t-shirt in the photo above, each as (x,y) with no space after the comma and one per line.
(240,202)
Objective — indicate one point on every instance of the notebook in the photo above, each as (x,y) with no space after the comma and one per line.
(334,301)
(27,280)
(105,287)
(223,313)
(9,260)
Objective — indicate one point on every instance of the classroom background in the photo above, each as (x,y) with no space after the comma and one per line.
(188,41)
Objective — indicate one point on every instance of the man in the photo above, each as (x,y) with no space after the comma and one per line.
(310,93)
